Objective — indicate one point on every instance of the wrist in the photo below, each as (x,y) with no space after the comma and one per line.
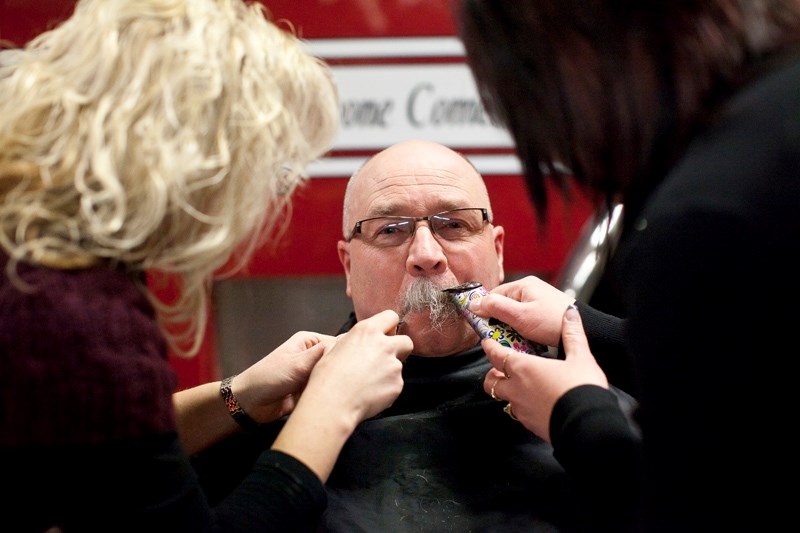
(315,435)
(334,412)
(236,411)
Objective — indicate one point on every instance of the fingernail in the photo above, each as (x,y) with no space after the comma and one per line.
(571,313)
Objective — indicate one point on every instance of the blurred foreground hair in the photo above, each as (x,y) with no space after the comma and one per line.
(607,94)
(158,135)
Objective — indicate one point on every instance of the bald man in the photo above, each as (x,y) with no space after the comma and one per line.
(445,457)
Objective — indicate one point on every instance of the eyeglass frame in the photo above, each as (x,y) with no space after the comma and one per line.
(357,227)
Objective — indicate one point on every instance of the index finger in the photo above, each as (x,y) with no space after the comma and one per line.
(386,321)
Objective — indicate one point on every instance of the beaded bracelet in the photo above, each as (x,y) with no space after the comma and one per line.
(236,411)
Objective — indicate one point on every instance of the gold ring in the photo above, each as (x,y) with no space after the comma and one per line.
(493,386)
(505,372)
(508,411)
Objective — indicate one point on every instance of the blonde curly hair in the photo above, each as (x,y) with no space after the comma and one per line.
(162,135)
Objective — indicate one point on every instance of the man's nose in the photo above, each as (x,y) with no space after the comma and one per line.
(425,253)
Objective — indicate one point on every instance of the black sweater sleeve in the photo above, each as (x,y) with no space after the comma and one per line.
(296,497)
(596,445)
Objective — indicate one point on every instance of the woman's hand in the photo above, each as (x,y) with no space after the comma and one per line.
(360,376)
(270,388)
(533,385)
(531,306)
(362,372)
(266,391)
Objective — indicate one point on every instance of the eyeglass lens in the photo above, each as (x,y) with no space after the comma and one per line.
(450,226)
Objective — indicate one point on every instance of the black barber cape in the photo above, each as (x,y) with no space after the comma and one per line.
(443,458)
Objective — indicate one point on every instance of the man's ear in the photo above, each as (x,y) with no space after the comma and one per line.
(343,249)
(499,237)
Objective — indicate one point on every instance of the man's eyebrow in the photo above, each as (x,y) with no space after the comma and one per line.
(386,210)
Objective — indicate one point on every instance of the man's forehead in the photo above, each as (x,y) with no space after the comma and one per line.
(381,177)
(433,187)
(453,177)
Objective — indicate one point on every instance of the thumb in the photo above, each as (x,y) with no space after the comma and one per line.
(573,337)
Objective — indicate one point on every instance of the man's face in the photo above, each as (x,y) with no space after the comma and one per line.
(419,179)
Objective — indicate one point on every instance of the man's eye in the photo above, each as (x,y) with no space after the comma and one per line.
(396,227)
(452,224)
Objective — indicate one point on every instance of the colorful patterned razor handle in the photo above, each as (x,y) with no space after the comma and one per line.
(490,328)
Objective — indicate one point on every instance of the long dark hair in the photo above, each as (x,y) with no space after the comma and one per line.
(606,95)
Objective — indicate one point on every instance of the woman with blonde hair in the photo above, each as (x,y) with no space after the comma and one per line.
(161,136)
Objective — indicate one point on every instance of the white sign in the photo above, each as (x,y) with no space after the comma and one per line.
(384,102)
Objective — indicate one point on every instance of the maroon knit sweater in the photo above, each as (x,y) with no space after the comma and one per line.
(82,360)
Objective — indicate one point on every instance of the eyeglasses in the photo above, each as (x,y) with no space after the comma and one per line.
(453,225)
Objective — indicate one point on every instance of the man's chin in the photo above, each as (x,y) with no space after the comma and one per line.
(448,338)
